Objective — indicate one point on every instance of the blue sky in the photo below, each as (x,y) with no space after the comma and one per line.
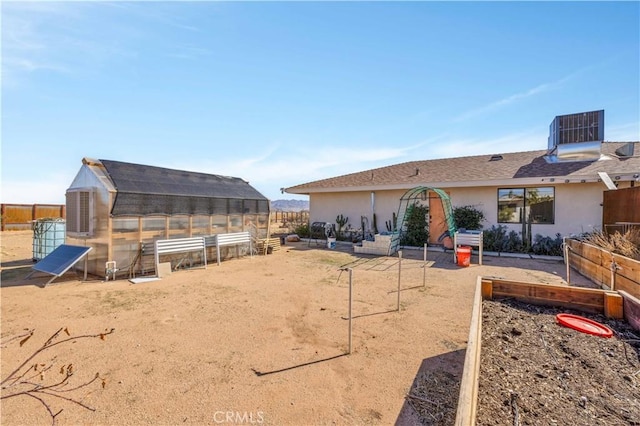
(283,93)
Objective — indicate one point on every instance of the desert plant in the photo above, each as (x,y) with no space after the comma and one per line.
(514,243)
(392,225)
(38,380)
(498,239)
(547,246)
(624,244)
(341,221)
(494,239)
(468,217)
(302,230)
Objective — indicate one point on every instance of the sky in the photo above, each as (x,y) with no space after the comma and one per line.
(285,93)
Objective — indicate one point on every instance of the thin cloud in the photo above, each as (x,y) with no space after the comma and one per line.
(283,166)
(545,87)
(72,38)
(512,142)
(508,100)
(188,52)
(154,11)
(623,132)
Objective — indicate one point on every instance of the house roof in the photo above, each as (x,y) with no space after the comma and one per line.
(480,170)
(149,190)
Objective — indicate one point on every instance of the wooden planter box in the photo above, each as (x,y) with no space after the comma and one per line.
(595,263)
(609,303)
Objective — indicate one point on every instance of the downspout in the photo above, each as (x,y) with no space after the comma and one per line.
(373,209)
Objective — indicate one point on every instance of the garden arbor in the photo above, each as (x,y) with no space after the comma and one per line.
(410,199)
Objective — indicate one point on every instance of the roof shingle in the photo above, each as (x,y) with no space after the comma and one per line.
(479,168)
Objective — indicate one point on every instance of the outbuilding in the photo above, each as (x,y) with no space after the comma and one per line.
(120,209)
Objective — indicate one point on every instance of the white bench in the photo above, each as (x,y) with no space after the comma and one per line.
(231,239)
(179,245)
(467,238)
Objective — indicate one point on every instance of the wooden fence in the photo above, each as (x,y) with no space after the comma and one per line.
(20,216)
(621,209)
(289,217)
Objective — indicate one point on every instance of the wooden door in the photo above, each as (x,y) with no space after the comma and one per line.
(437,221)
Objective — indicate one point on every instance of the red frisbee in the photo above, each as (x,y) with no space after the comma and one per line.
(584,325)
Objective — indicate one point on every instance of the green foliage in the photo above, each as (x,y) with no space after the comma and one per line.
(547,245)
(498,239)
(468,217)
(341,221)
(514,243)
(526,235)
(302,230)
(392,225)
(417,220)
(494,239)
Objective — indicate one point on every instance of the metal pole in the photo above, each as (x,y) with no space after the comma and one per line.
(399,270)
(614,268)
(566,256)
(350,308)
(424,268)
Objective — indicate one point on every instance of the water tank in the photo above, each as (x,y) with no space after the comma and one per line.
(48,234)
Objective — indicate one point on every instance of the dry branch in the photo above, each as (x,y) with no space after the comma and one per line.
(29,380)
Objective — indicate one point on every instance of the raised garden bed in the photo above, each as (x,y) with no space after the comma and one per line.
(533,371)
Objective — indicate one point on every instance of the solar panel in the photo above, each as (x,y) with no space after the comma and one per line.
(61,260)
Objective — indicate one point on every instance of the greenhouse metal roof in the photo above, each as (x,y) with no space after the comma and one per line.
(143,190)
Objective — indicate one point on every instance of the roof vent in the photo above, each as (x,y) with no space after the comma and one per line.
(576,137)
(626,150)
(495,158)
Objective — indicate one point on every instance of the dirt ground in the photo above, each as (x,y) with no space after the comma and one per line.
(535,371)
(259,340)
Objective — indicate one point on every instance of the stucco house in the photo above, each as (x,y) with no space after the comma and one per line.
(559,190)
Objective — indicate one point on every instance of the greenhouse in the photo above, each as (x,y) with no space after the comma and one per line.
(121,209)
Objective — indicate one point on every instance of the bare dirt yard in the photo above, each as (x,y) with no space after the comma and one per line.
(534,371)
(259,340)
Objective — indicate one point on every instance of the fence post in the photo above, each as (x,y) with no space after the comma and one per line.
(399,270)
(424,267)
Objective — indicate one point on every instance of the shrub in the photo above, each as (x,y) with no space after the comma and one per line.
(417,220)
(514,243)
(624,244)
(547,246)
(302,230)
(468,217)
(494,239)
(498,239)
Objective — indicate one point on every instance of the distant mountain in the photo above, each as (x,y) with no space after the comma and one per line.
(289,205)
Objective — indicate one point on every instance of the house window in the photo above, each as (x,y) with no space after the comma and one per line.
(79,221)
(532,205)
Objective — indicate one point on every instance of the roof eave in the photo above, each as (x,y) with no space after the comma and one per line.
(546,180)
